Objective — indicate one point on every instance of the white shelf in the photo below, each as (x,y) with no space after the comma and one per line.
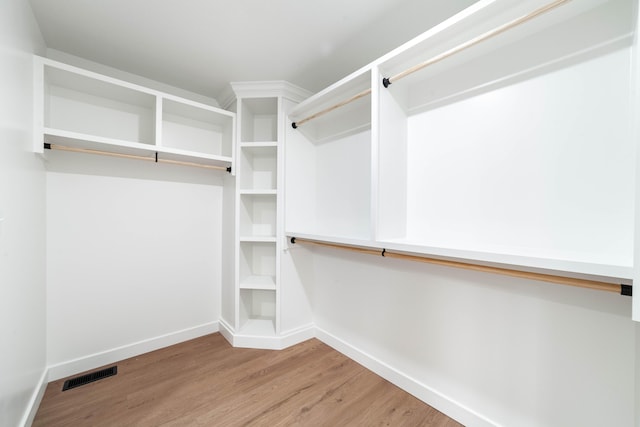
(259,192)
(258,144)
(258,239)
(515,258)
(258,282)
(82,104)
(82,109)
(92,142)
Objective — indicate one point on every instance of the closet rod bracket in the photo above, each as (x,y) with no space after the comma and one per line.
(47,146)
(294,125)
(626,290)
(386,82)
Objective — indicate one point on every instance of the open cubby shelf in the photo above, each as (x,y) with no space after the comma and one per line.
(80,109)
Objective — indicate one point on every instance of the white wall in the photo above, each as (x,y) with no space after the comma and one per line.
(22,220)
(133,257)
(516,352)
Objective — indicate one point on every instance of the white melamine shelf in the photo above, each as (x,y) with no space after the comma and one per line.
(516,259)
(258,239)
(258,282)
(259,192)
(97,143)
(258,144)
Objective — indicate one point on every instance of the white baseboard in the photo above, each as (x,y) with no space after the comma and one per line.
(439,401)
(36,398)
(298,335)
(226,330)
(92,361)
(276,342)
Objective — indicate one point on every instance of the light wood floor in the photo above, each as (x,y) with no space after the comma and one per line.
(206,382)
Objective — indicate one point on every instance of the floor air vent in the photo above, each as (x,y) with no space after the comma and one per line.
(89,378)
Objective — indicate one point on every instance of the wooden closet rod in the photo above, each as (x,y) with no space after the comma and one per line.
(489,34)
(132,156)
(333,107)
(551,278)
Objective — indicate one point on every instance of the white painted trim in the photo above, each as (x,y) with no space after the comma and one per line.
(432,397)
(92,361)
(226,330)
(261,89)
(276,342)
(297,335)
(36,398)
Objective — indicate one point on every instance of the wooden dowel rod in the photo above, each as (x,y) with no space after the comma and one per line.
(561,280)
(551,278)
(132,156)
(333,107)
(192,164)
(476,40)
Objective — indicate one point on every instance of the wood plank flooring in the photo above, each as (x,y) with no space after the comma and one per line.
(206,382)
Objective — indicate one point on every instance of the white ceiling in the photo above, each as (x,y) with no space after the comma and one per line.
(202,45)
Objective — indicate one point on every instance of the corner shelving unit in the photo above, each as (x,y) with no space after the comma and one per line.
(85,111)
(259,216)
(503,136)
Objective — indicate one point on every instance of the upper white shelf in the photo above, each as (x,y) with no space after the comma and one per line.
(77,108)
(330,124)
(515,258)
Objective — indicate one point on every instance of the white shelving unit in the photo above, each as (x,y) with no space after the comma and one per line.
(80,109)
(259,214)
(517,150)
